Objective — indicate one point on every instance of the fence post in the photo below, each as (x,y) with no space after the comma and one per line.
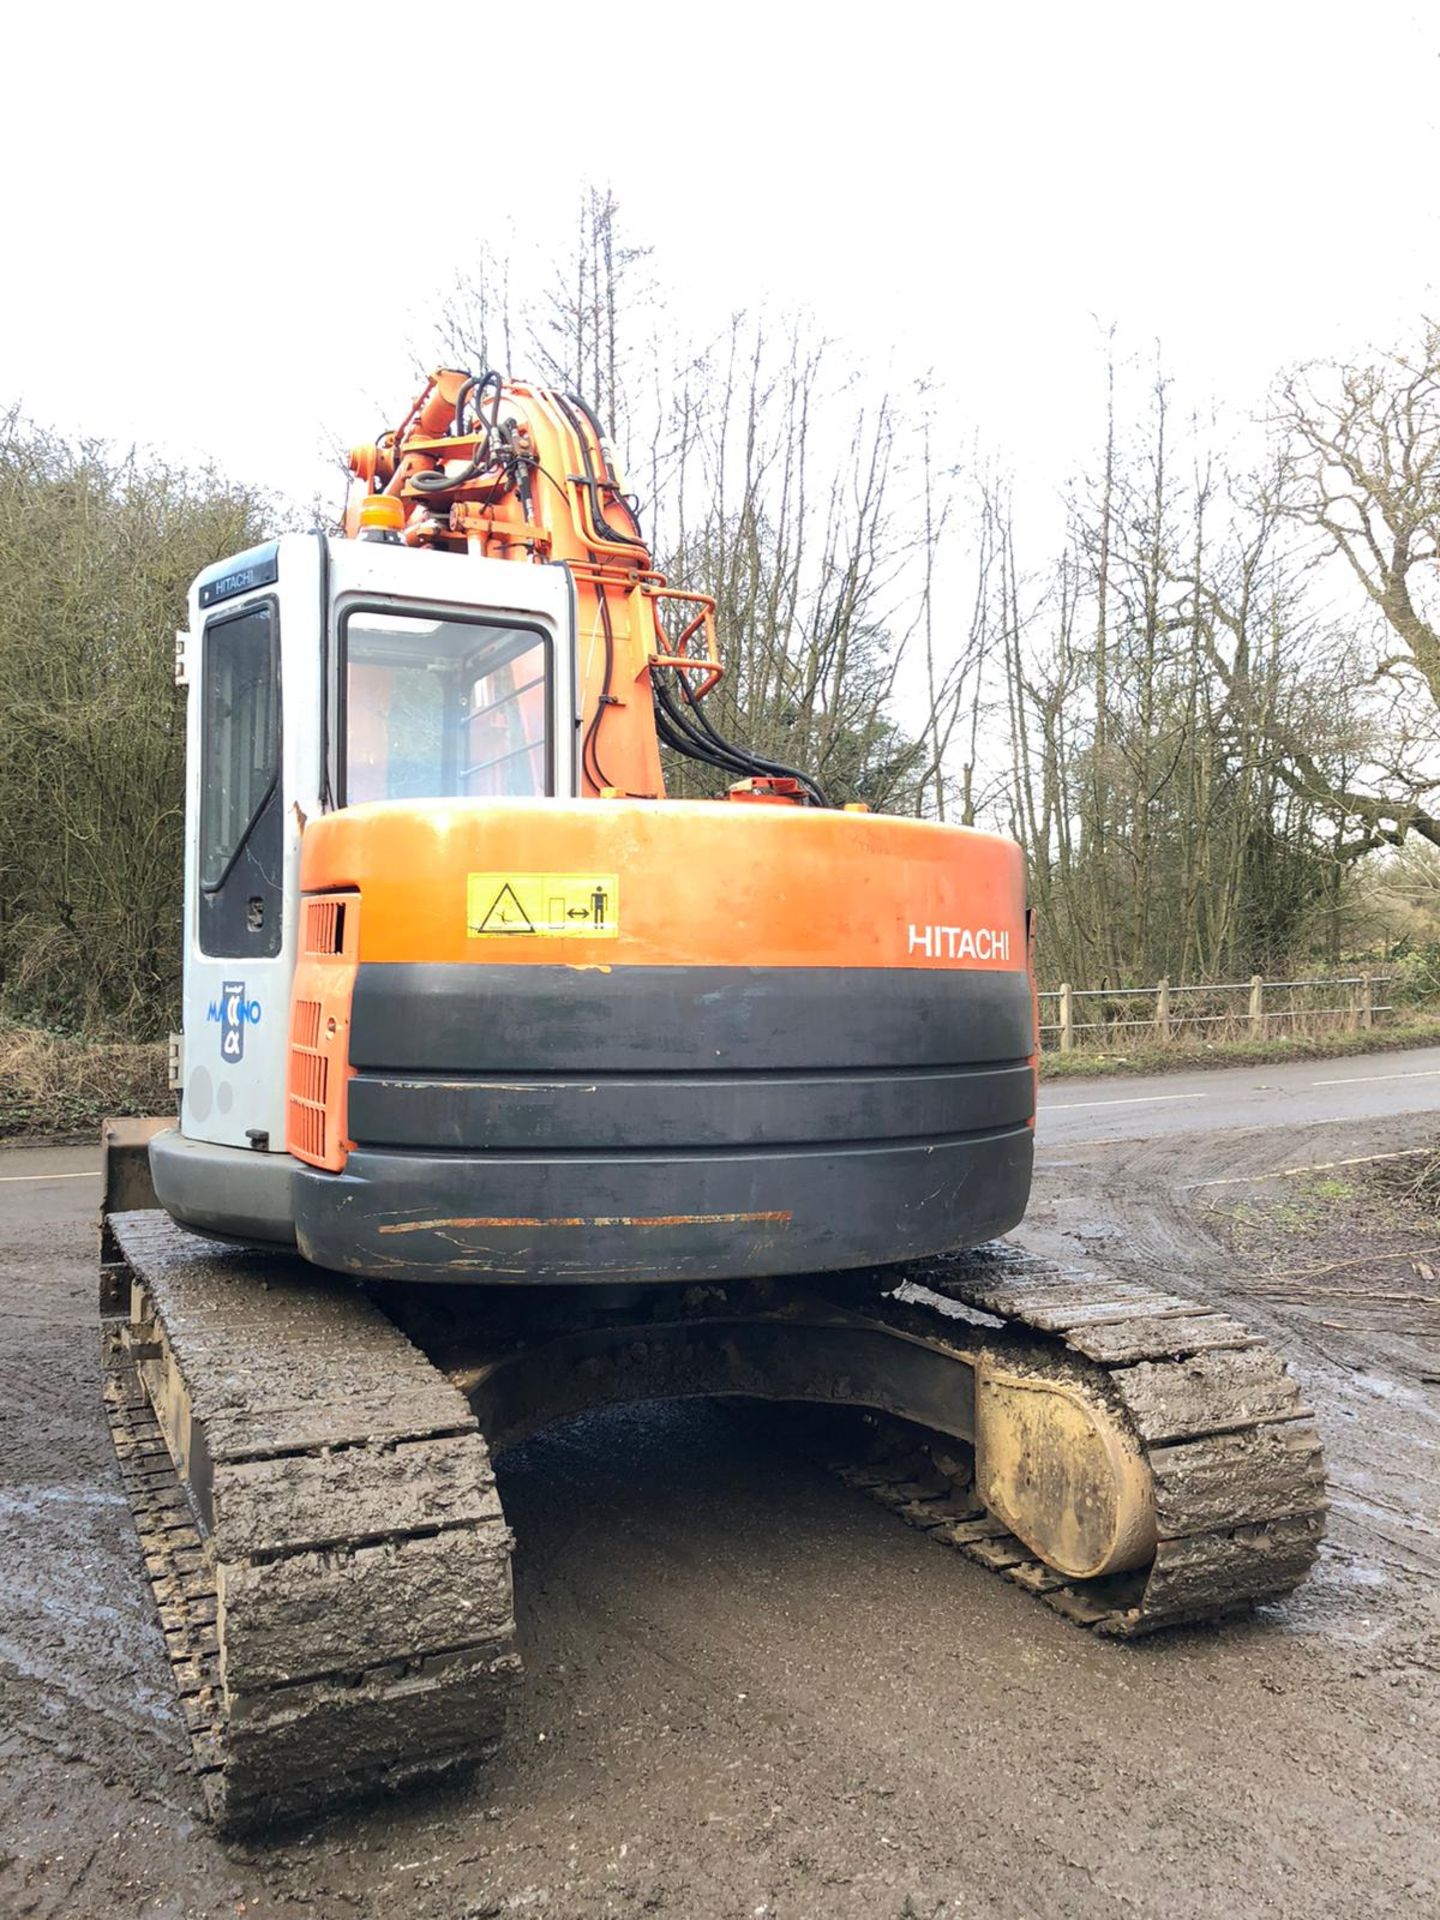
(1257,1006)
(1067,1019)
(1162,1009)
(1360,1013)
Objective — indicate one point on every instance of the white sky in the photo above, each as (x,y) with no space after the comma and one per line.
(224,229)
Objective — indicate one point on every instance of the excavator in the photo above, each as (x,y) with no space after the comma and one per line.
(511,1088)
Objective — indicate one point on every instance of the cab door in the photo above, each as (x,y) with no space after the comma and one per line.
(253,759)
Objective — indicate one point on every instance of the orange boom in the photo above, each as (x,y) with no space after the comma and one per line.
(492,468)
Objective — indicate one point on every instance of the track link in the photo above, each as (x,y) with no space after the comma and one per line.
(324,1539)
(1235,1456)
(319,1520)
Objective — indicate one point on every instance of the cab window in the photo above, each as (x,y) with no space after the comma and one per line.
(443,708)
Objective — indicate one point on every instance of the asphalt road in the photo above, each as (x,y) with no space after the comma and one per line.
(1367,1087)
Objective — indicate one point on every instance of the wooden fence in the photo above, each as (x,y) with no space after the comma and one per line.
(1253,1009)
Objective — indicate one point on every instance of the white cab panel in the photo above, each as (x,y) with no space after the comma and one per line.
(242,842)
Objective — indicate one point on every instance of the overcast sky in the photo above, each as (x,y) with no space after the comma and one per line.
(226,228)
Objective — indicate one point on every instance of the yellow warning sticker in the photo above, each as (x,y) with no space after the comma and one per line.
(556,906)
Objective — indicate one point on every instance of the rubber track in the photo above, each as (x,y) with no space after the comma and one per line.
(331,1574)
(1239,1476)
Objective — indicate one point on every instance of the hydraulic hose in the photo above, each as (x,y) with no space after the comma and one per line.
(437,480)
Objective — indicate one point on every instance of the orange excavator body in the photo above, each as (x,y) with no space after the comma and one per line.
(721,1090)
(541,1022)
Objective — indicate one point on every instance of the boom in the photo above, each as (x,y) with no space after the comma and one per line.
(500,470)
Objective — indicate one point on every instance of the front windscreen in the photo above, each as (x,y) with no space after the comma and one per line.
(443,709)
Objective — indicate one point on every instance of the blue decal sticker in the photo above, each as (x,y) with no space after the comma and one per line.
(233,1013)
(232,1020)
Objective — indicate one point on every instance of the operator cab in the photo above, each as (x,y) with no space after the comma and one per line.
(327,673)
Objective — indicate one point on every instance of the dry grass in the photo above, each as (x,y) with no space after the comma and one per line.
(1417,1031)
(54,1086)
(1416,1180)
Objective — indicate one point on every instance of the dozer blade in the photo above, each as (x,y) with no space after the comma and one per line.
(125,1187)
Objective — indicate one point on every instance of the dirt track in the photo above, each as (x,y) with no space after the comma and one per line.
(752,1692)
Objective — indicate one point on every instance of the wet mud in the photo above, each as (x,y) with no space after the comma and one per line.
(750,1691)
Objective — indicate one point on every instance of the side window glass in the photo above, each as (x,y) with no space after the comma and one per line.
(240,854)
(241,735)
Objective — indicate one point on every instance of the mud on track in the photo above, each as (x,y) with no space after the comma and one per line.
(752,1691)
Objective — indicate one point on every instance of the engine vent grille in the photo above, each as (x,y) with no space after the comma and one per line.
(309,1079)
(307,1136)
(324,926)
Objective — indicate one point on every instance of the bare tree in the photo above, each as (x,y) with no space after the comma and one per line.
(581,328)
(1362,472)
(1152,674)
(476,324)
(774,471)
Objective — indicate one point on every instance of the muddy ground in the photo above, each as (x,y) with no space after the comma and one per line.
(752,1692)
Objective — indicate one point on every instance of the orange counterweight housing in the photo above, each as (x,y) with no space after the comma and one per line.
(671,1040)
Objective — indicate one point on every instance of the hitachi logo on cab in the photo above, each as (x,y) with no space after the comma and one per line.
(960,943)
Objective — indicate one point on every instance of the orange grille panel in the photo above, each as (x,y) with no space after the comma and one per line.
(307,1081)
(324,926)
(319,1070)
(307,1133)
